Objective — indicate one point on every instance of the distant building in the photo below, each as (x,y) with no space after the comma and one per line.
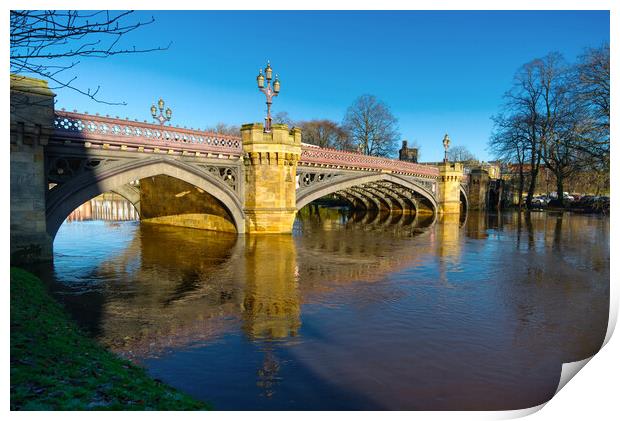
(408,154)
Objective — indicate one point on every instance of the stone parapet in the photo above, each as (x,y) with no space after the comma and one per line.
(280,140)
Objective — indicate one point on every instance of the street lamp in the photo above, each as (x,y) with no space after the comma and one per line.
(161,117)
(446,145)
(268,90)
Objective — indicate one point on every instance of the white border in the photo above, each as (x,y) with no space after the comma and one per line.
(591,395)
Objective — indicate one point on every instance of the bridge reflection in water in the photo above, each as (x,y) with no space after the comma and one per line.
(271,302)
(354,311)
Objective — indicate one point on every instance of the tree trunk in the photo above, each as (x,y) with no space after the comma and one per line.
(535,162)
(560,187)
(521,186)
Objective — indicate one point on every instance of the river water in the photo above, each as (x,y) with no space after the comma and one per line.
(351,311)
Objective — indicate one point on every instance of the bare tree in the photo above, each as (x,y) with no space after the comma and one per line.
(561,120)
(49,43)
(226,129)
(460,153)
(326,134)
(593,91)
(536,108)
(523,100)
(283,118)
(371,126)
(557,114)
(509,143)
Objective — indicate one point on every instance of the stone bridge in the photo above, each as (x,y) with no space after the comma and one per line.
(251,184)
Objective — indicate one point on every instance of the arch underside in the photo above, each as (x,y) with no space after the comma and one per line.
(463,197)
(130,193)
(372,220)
(63,199)
(374,192)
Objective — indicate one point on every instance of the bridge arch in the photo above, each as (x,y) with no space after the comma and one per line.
(350,199)
(130,193)
(64,199)
(463,193)
(305,197)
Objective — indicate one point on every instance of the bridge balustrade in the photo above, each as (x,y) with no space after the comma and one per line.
(97,131)
(352,160)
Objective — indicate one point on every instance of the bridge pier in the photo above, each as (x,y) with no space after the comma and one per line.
(478,189)
(270,160)
(32,122)
(449,183)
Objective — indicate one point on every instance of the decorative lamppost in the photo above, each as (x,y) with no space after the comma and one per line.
(446,145)
(161,117)
(268,90)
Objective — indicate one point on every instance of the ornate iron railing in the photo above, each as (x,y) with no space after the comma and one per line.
(97,129)
(357,161)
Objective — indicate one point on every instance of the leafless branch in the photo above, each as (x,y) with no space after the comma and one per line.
(45,43)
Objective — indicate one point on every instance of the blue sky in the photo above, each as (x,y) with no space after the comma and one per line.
(438,71)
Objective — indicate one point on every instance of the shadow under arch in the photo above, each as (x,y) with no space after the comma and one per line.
(310,195)
(64,199)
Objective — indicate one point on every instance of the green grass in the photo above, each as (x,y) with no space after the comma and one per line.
(55,366)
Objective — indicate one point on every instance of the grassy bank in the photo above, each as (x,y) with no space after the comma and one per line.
(54,366)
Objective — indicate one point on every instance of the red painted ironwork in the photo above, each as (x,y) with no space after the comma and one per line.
(357,161)
(78,127)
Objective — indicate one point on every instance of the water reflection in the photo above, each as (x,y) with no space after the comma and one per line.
(354,311)
(271,306)
(449,232)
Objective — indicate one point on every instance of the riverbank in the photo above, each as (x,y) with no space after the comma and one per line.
(558,209)
(55,366)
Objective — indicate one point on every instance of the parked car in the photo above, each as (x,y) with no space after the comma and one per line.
(590,203)
(540,201)
(601,204)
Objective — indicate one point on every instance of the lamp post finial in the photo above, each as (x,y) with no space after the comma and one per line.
(269,90)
